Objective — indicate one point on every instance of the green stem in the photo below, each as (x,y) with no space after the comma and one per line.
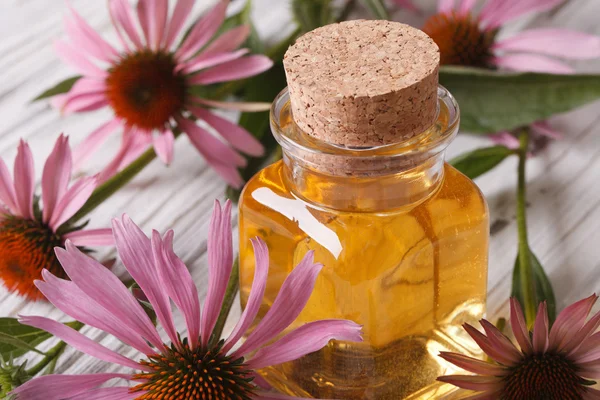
(231,292)
(52,354)
(527,282)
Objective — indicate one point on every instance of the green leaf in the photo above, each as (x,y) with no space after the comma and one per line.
(60,88)
(377,7)
(264,87)
(492,101)
(543,287)
(477,162)
(137,292)
(17,339)
(312,14)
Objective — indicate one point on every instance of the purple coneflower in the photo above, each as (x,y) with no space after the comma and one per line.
(551,364)
(471,39)
(148,83)
(28,235)
(182,367)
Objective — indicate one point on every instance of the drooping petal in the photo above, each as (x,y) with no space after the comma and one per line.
(70,299)
(163,145)
(84,102)
(136,252)
(237,136)
(211,147)
(56,176)
(220,263)
(505,139)
(570,321)
(8,197)
(540,330)
(109,393)
(308,338)
(72,201)
(474,365)
(57,387)
(497,12)
(445,6)
(261,270)
(532,63)
(123,17)
(203,31)
(229,173)
(477,383)
(234,106)
(91,237)
(562,43)
(93,141)
(228,41)
(133,144)
(107,290)
(86,38)
(519,326)
(24,179)
(233,70)
(84,86)
(288,304)
(182,10)
(79,341)
(78,61)
(570,346)
(180,286)
(501,342)
(484,343)
(204,61)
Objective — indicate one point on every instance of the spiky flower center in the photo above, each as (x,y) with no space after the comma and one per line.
(460,39)
(185,373)
(145,91)
(544,377)
(27,247)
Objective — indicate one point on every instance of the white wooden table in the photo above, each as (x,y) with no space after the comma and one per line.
(564,216)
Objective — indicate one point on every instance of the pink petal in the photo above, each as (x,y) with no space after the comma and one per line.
(408,4)
(505,139)
(182,10)
(543,128)
(589,350)
(134,143)
(589,370)
(467,6)
(24,177)
(85,102)
(477,383)
(519,326)
(85,37)
(445,6)
(78,61)
(136,252)
(86,94)
(180,286)
(579,339)
(122,16)
(488,347)
(234,106)
(57,387)
(211,147)
(7,189)
(237,136)
(229,173)
(79,341)
(570,321)
(233,70)
(307,339)
(109,393)
(220,263)
(56,177)
(94,140)
(532,63)
(561,43)
(540,330)
(91,237)
(501,342)
(202,31)
(87,86)
(70,299)
(163,145)
(474,365)
(257,293)
(228,41)
(494,15)
(152,15)
(107,290)
(288,304)
(72,201)
(204,61)
(591,394)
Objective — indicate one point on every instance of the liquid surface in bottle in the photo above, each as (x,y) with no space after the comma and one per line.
(411,276)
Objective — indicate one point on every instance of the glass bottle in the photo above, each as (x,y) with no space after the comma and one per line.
(403,237)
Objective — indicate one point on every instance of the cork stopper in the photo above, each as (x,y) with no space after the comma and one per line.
(363,83)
